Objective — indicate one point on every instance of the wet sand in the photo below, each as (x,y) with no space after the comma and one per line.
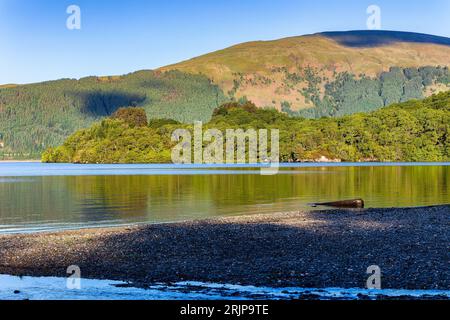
(315,249)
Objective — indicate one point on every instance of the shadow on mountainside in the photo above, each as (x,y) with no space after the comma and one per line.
(376,38)
(105,103)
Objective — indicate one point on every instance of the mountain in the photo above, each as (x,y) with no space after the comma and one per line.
(330,73)
(325,74)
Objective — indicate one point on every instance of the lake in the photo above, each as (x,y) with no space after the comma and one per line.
(40,197)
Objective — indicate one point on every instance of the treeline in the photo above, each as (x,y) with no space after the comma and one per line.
(410,131)
(36,116)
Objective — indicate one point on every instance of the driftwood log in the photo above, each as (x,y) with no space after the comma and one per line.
(355,203)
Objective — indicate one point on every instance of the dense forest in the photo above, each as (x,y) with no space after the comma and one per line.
(348,94)
(417,130)
(36,116)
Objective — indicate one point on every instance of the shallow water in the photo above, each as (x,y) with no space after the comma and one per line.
(39,197)
(52,288)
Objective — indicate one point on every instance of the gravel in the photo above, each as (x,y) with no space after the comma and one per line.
(314,249)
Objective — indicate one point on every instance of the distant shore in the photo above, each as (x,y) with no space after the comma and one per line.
(303,249)
(20,161)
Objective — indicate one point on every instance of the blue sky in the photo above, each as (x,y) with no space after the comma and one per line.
(119,37)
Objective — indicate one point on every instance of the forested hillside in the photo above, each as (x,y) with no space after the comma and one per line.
(37,116)
(348,94)
(410,131)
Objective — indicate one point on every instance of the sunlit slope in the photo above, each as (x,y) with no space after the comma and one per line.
(271,72)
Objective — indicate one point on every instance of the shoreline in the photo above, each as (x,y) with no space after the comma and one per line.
(315,249)
(257,165)
(20,161)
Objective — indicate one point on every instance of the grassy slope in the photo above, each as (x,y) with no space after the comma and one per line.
(322,53)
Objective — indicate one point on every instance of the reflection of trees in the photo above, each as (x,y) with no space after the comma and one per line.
(170,197)
(34,199)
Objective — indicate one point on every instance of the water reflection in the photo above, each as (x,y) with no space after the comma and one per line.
(67,201)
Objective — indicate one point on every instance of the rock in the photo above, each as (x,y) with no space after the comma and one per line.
(327,160)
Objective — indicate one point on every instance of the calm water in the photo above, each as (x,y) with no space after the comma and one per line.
(37,197)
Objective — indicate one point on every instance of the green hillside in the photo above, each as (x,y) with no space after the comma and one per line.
(410,131)
(34,117)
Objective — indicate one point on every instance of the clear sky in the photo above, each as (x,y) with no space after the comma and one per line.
(118,37)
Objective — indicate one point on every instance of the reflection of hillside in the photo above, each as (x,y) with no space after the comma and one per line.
(112,194)
(171,197)
(34,199)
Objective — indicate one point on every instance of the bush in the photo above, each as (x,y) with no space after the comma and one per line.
(225,109)
(135,117)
